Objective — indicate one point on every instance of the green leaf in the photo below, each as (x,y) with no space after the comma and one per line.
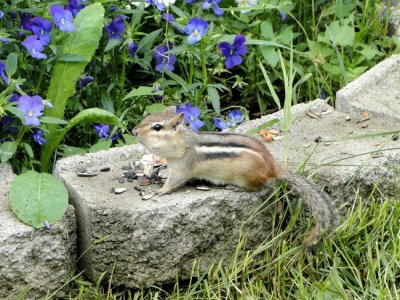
(7,151)
(261,127)
(214,98)
(91,115)
(271,55)
(369,51)
(266,29)
(70,150)
(143,91)
(129,140)
(148,40)
(52,120)
(38,197)
(71,57)
(15,111)
(81,42)
(178,79)
(11,64)
(101,145)
(155,108)
(340,34)
(270,86)
(112,44)
(28,149)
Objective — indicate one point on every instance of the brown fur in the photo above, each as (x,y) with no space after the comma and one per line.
(225,158)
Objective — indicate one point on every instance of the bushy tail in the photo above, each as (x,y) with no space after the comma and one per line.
(321,205)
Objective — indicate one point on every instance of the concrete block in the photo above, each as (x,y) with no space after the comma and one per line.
(149,242)
(33,265)
(351,156)
(376,91)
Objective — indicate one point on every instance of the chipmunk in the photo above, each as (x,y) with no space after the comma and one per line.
(225,158)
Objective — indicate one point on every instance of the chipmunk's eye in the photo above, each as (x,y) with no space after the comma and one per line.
(157,127)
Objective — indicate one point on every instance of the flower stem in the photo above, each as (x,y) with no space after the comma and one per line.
(205,74)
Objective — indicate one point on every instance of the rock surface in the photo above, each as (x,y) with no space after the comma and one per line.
(149,242)
(33,265)
(375,91)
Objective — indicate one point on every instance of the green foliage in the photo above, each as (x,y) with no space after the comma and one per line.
(359,261)
(81,43)
(37,198)
(7,151)
(90,115)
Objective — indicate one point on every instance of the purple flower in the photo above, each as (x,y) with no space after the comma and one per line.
(209,3)
(115,137)
(85,80)
(191,115)
(132,48)
(32,107)
(34,46)
(169,18)
(4,40)
(41,28)
(1,14)
(14,97)
(38,137)
(63,18)
(283,15)
(235,117)
(25,20)
(74,6)
(3,73)
(102,130)
(116,28)
(233,53)
(163,61)
(161,4)
(196,28)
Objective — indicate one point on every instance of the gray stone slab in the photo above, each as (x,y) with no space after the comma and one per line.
(376,91)
(33,266)
(352,157)
(149,242)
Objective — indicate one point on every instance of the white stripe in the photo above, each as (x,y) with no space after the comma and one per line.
(228,149)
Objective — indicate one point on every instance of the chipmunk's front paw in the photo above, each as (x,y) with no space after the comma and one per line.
(163,191)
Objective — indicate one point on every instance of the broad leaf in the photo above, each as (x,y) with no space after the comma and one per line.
(52,120)
(214,98)
(340,34)
(155,108)
(143,91)
(36,198)
(7,151)
(91,115)
(11,64)
(101,145)
(80,43)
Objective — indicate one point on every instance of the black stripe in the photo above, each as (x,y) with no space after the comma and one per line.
(224,144)
(220,155)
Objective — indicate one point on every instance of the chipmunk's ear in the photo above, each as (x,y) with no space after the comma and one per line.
(180,117)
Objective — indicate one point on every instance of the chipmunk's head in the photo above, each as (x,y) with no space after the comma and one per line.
(161,133)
